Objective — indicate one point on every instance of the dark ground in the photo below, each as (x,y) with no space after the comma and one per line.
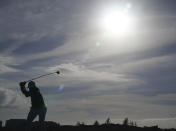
(103,127)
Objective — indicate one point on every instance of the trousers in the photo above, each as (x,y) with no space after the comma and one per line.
(32,115)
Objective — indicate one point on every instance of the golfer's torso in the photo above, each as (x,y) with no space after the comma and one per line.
(37,100)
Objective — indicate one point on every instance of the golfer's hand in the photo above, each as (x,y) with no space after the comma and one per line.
(22,84)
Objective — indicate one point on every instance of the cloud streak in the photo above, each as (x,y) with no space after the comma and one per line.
(10,99)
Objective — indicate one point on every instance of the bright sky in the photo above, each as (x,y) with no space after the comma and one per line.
(117,59)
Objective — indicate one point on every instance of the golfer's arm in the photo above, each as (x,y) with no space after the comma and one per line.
(24,91)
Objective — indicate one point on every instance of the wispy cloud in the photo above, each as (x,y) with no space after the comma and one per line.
(4,62)
(10,99)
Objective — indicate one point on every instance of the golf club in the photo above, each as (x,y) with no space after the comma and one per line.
(57,72)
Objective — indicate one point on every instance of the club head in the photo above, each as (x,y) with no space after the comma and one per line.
(58,72)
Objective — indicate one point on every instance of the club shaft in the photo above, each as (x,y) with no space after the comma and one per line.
(40,76)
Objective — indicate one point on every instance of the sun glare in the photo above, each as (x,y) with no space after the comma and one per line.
(116,22)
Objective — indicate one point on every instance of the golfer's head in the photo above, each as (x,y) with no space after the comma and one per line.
(31,84)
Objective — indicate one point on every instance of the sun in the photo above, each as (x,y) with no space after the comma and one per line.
(117,22)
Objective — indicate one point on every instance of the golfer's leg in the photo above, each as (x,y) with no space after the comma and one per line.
(31,116)
(42,115)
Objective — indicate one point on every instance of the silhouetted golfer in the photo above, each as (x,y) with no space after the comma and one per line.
(38,106)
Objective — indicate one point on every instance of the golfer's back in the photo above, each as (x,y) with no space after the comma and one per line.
(36,98)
